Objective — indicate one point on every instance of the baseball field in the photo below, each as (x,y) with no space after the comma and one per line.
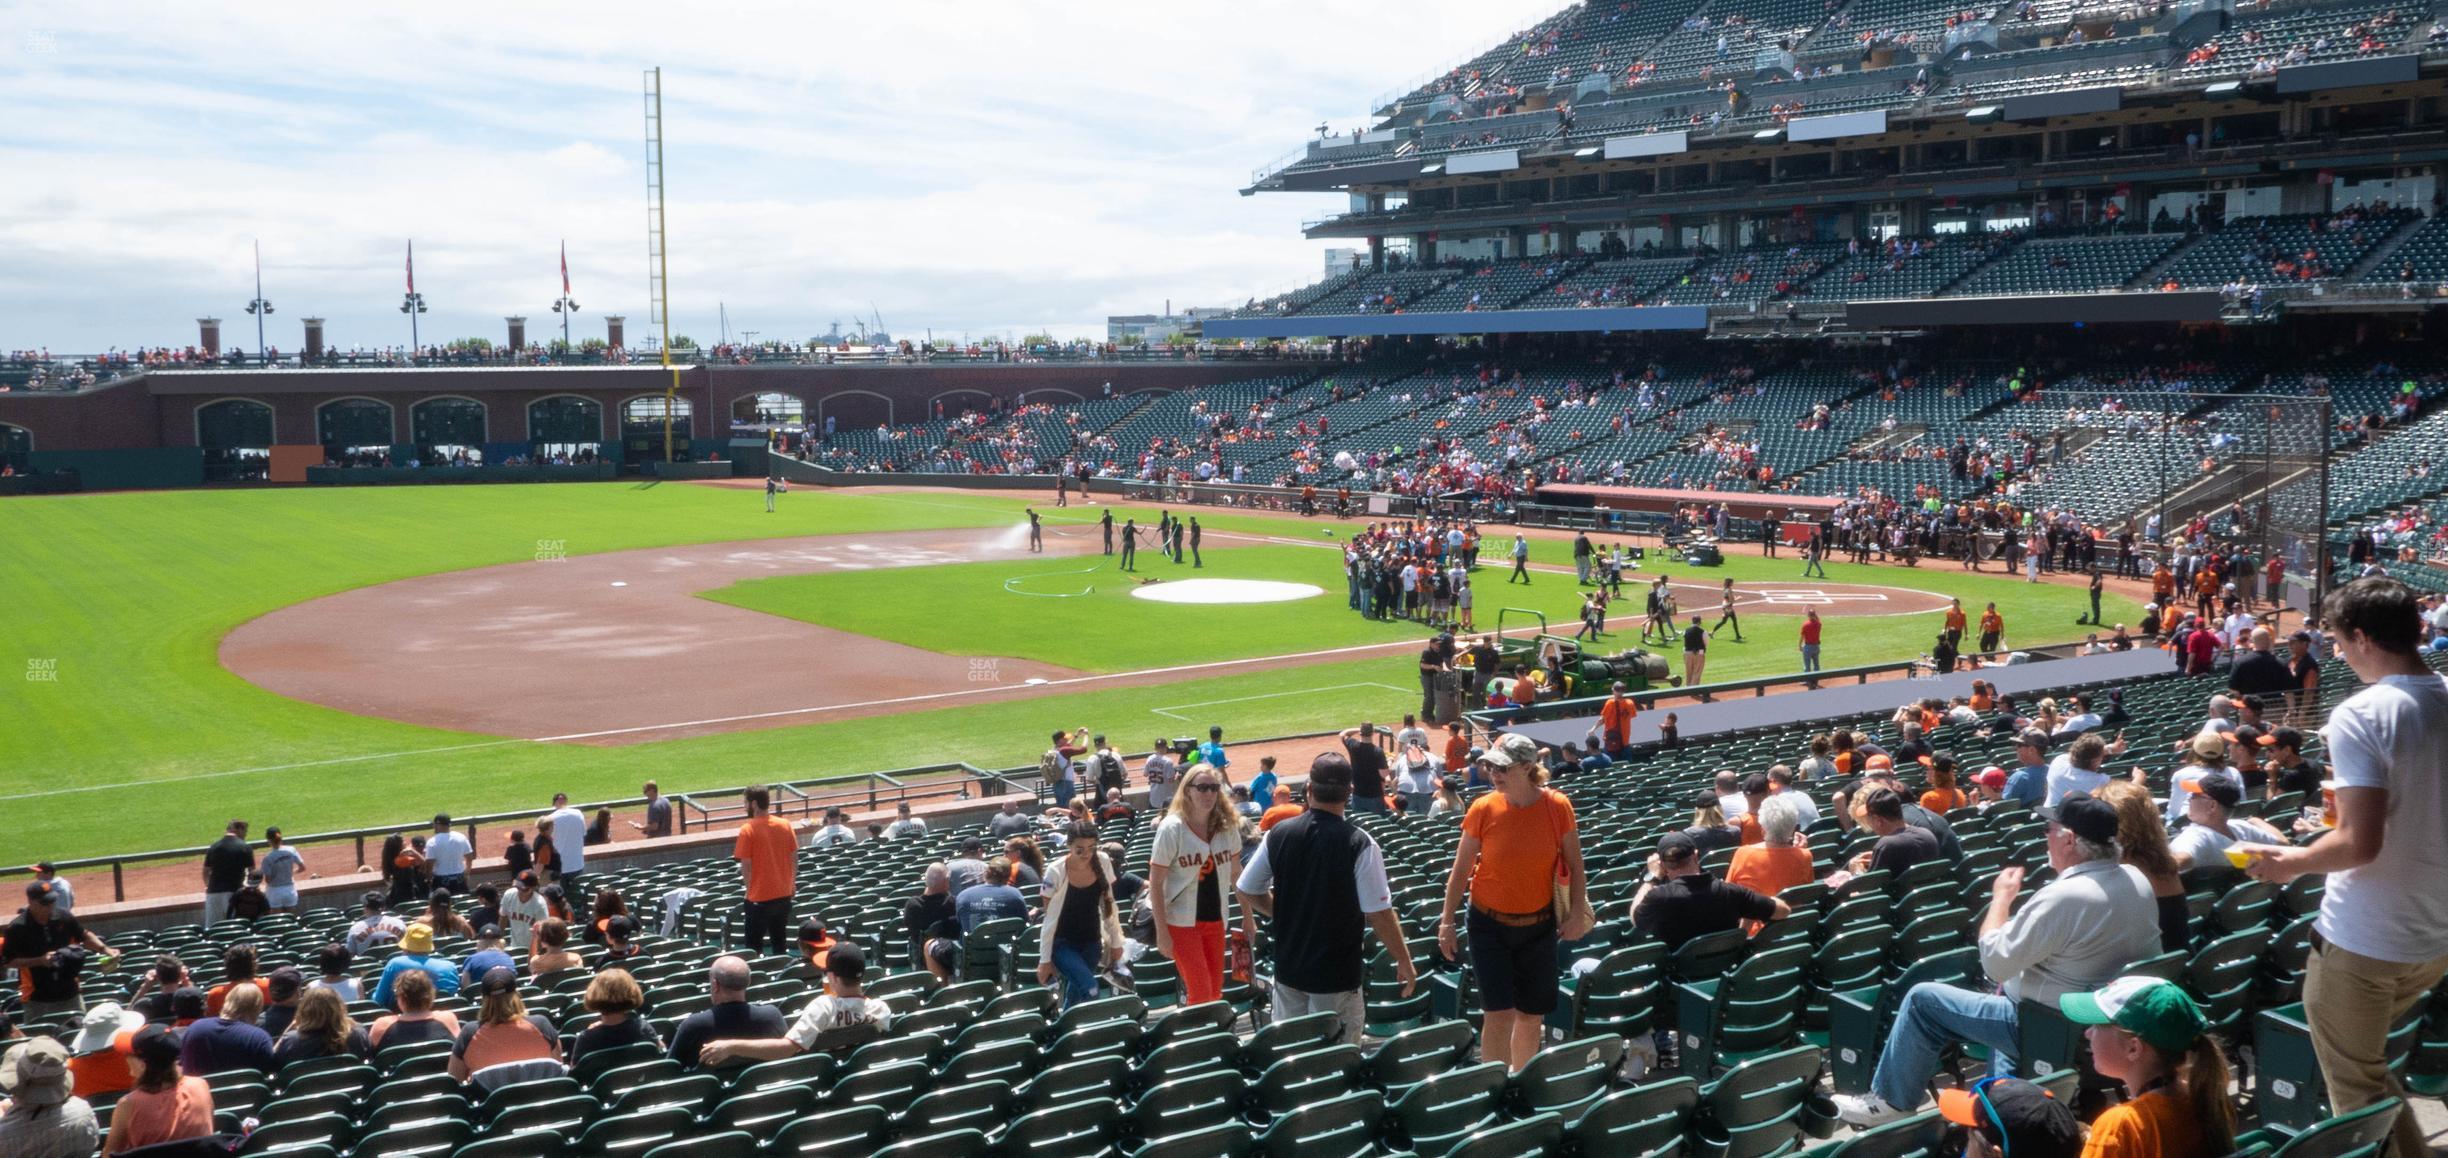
(329,658)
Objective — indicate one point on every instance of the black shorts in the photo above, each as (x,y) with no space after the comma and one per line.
(1515,965)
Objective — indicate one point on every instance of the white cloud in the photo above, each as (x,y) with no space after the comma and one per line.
(967,167)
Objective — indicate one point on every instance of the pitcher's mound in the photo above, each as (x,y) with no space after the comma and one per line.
(1225,591)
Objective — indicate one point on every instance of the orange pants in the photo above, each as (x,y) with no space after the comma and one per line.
(1198,957)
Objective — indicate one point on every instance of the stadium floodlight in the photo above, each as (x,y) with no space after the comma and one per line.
(1432,168)
(2225,91)
(1765,136)
(1985,114)
(259,307)
(1592,151)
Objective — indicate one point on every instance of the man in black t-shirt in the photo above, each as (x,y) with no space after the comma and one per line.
(1900,846)
(1681,900)
(48,948)
(2259,672)
(1695,652)
(1434,659)
(731,1016)
(1368,765)
(225,869)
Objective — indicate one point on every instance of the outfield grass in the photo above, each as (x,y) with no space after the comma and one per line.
(140,739)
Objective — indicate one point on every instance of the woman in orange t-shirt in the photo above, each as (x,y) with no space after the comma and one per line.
(1943,795)
(1518,843)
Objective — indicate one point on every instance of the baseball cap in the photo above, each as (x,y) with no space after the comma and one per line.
(1676,846)
(186,1004)
(2022,1119)
(2087,816)
(418,938)
(527,877)
(846,961)
(1991,777)
(2151,1008)
(2210,746)
(2224,789)
(500,979)
(284,983)
(41,893)
(154,1043)
(1881,761)
(2033,738)
(488,932)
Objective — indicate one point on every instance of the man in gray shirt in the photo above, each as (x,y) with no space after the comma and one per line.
(2078,932)
(1007,824)
(969,868)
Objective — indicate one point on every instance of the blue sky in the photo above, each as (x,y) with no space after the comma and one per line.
(975,168)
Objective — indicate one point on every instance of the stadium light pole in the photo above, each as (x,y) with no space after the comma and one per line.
(412,304)
(567,309)
(259,307)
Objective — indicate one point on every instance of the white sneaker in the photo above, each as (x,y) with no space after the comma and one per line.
(1867,1110)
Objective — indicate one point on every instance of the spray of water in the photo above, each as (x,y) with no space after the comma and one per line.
(1010,539)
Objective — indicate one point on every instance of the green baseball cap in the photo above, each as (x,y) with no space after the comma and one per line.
(2152,1008)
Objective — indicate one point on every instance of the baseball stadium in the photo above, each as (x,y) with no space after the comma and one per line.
(1853,579)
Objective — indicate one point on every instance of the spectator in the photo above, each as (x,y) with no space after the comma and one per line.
(2383,924)
(1115,808)
(1196,857)
(1943,796)
(835,833)
(417,1019)
(1447,803)
(522,909)
(238,972)
(164,1105)
(1163,772)
(94,1060)
(1709,831)
(844,1004)
(1517,841)
(1416,779)
(658,814)
(2211,824)
(283,988)
(2142,843)
(1056,770)
(2204,755)
(225,869)
(1368,765)
(615,999)
(969,868)
(1279,809)
(505,1032)
(1028,864)
(46,873)
(904,825)
(731,1017)
(280,867)
(417,953)
(1317,925)
(518,856)
(2010,1116)
(1781,860)
(768,856)
(487,956)
(552,952)
(444,920)
(1680,900)
(375,926)
(815,942)
(2147,1034)
(1004,825)
(48,949)
(487,910)
(2259,672)
(322,1029)
(1211,753)
(2028,782)
(1781,787)
(566,827)
(44,1117)
(1081,934)
(923,912)
(448,852)
(2080,930)
(229,1041)
(1262,786)
(1900,846)
(152,996)
(990,900)
(2078,771)
(1988,787)
(2287,769)
(600,830)
(249,903)
(332,962)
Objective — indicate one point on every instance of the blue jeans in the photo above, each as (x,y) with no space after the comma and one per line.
(1933,1016)
(1063,791)
(1077,964)
(1810,657)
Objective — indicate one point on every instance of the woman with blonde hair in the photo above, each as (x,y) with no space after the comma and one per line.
(1196,858)
(321,1029)
(2147,1033)
(505,1032)
(2142,841)
(1708,828)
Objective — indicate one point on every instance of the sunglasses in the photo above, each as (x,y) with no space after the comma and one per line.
(1202,788)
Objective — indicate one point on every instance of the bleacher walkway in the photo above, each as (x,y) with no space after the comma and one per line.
(1748,713)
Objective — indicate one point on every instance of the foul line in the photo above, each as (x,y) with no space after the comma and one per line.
(266,768)
(1009,589)
(1269,696)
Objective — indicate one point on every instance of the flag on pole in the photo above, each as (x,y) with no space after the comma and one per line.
(412,266)
(565,290)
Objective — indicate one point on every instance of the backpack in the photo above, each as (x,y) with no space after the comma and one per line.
(1109,772)
(1052,767)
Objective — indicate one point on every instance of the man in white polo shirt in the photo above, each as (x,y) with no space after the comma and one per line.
(449,853)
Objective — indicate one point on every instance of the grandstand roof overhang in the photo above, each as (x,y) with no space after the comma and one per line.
(1462,322)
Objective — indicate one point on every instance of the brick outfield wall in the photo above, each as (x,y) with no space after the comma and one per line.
(159,410)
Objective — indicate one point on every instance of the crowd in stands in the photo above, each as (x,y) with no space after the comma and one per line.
(515,1010)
